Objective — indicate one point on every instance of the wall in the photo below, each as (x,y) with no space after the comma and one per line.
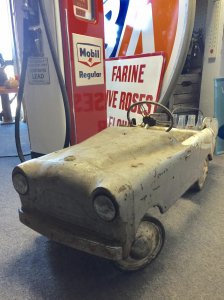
(201,15)
(212,67)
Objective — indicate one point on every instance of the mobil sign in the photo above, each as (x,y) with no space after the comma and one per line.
(88,54)
(132,79)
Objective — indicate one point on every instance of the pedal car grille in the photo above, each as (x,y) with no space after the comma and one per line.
(64,208)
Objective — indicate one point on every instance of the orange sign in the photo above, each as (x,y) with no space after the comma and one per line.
(134,27)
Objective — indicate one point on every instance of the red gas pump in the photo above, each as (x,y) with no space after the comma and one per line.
(63,38)
(83,45)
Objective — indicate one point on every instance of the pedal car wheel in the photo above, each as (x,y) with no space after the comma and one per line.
(146,247)
(199,184)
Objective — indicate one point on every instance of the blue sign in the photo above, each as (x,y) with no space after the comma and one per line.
(219,114)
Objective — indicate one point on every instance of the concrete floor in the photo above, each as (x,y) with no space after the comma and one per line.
(191,265)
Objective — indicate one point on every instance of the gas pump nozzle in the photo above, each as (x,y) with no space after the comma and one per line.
(36,42)
(26,8)
(32,36)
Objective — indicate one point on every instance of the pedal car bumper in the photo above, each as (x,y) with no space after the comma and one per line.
(61,235)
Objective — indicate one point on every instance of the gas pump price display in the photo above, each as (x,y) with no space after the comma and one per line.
(130,80)
(81,3)
(83,9)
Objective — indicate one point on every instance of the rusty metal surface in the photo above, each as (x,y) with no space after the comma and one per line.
(140,168)
(67,237)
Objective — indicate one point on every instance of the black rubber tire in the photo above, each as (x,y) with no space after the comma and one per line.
(200,182)
(121,265)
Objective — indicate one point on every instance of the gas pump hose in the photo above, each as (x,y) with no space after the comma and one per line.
(23,77)
(21,87)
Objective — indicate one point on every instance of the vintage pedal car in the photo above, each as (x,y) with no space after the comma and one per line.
(95,196)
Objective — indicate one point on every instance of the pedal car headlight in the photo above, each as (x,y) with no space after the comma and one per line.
(104,208)
(20,183)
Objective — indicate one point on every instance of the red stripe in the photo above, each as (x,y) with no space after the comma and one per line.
(126,40)
(139,47)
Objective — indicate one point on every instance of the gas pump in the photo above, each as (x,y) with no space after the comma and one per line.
(70,37)
(32,43)
(83,40)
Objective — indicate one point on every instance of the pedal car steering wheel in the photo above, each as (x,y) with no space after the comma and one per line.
(147,118)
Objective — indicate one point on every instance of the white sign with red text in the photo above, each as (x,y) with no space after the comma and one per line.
(131,79)
(88,60)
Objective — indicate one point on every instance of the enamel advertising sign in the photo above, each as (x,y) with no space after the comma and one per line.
(88,54)
(134,27)
(132,79)
(38,71)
